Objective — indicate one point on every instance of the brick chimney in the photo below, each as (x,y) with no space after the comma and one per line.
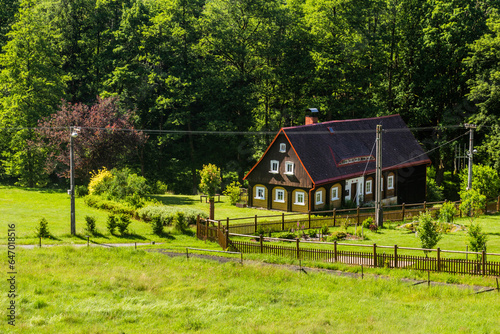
(311,116)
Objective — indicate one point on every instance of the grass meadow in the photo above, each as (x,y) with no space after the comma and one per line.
(99,290)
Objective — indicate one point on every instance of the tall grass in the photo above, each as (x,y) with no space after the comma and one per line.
(95,290)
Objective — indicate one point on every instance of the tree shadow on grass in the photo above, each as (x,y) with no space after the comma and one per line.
(174,200)
(131,236)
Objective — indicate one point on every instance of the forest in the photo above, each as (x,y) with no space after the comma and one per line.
(163,87)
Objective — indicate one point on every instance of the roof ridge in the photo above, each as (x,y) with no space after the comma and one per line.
(340,121)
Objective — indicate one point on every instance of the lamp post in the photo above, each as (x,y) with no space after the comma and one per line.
(470,154)
(73,133)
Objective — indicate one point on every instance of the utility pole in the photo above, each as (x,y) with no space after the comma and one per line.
(471,128)
(73,133)
(379,216)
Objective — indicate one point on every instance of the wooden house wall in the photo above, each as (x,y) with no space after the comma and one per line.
(261,174)
(411,184)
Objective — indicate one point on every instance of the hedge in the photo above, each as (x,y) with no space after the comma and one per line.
(166,213)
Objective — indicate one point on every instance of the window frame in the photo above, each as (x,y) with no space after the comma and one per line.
(320,194)
(282,147)
(336,197)
(369,190)
(297,193)
(276,198)
(287,164)
(263,197)
(390,182)
(271,170)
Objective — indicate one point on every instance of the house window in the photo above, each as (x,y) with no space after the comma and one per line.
(260,193)
(289,167)
(382,184)
(319,197)
(369,187)
(299,198)
(280,196)
(282,147)
(335,193)
(390,182)
(275,165)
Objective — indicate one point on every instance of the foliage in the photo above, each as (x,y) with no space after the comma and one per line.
(485,180)
(472,203)
(337,236)
(428,231)
(287,235)
(312,233)
(157,225)
(90,225)
(99,181)
(233,192)
(123,223)
(367,222)
(476,238)
(373,228)
(167,213)
(210,180)
(42,231)
(81,191)
(179,222)
(434,192)
(159,188)
(111,223)
(447,212)
(325,229)
(115,207)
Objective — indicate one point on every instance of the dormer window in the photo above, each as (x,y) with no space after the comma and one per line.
(275,165)
(289,168)
(282,147)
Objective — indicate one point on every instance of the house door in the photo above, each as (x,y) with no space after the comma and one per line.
(354,192)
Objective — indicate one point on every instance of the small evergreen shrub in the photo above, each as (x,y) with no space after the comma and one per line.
(337,236)
(81,191)
(42,231)
(179,222)
(287,235)
(367,222)
(160,188)
(123,224)
(111,224)
(325,229)
(233,192)
(157,226)
(90,223)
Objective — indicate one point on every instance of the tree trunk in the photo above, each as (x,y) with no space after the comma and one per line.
(212,209)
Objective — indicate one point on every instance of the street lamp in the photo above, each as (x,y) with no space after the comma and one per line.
(73,133)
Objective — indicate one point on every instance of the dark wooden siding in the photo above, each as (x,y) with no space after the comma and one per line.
(411,184)
(261,174)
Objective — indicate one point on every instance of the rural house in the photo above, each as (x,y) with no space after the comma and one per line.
(320,166)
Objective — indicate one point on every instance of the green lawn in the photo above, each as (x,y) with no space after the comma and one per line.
(96,290)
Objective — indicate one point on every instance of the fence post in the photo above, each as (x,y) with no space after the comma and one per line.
(425,205)
(403,212)
(197,226)
(374,255)
(357,213)
(335,215)
(309,214)
(255,224)
(438,259)
(460,210)
(298,249)
(396,255)
(206,230)
(335,250)
(282,221)
(484,262)
(227,232)
(261,243)
(498,203)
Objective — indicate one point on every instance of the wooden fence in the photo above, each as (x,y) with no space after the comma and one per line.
(375,257)
(316,219)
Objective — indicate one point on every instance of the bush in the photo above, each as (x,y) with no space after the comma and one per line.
(103,204)
(123,224)
(233,192)
(81,191)
(367,222)
(166,214)
(287,235)
(159,188)
(447,212)
(476,238)
(42,231)
(373,228)
(157,226)
(325,230)
(111,224)
(337,236)
(179,222)
(90,224)
(99,181)
(428,231)
(312,233)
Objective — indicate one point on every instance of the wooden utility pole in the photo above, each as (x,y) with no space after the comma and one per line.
(471,128)
(379,217)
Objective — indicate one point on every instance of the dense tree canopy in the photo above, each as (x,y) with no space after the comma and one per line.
(186,68)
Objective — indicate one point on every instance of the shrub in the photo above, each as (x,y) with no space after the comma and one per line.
(166,213)
(287,235)
(447,212)
(42,231)
(472,203)
(337,236)
(103,204)
(159,188)
(157,226)
(135,201)
(373,228)
(476,238)
(367,222)
(179,222)
(111,224)
(260,230)
(428,231)
(312,233)
(233,192)
(123,224)
(325,229)
(99,181)
(90,224)
(81,191)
